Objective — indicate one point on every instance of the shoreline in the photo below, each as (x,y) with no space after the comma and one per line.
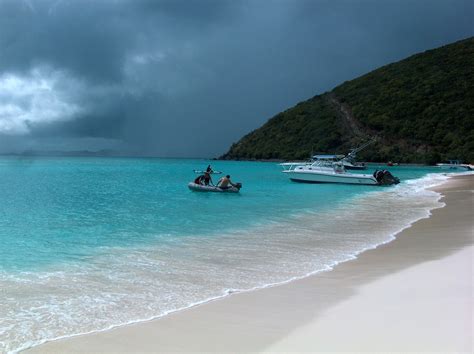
(203,319)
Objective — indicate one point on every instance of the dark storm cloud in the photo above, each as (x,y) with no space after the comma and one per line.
(92,37)
(188,78)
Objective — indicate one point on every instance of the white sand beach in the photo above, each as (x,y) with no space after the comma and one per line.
(412,294)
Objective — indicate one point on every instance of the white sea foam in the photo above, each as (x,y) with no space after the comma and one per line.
(122,285)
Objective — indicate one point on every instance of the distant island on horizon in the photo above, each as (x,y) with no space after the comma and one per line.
(420,109)
(72,153)
(98,153)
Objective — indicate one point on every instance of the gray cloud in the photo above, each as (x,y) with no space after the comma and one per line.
(187,78)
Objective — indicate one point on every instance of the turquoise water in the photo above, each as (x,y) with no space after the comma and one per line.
(95,236)
(58,209)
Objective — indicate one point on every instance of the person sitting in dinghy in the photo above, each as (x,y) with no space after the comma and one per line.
(204,179)
(226,183)
(199,180)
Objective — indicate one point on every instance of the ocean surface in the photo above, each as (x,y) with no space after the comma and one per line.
(87,244)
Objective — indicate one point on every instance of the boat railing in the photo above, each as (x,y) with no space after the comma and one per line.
(289,166)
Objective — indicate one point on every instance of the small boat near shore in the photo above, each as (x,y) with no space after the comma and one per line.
(454,165)
(203,188)
(321,172)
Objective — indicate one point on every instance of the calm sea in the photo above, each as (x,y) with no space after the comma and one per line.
(87,244)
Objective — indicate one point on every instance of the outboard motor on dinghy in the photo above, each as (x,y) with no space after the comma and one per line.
(385,178)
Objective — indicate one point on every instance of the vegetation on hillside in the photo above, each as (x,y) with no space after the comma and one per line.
(293,133)
(421,108)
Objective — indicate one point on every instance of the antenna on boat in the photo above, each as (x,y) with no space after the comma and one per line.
(363,146)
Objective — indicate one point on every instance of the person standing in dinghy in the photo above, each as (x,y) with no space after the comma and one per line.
(207,178)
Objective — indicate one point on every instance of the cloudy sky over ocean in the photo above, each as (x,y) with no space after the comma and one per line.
(188,78)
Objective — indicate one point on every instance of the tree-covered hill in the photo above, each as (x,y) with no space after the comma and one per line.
(421,109)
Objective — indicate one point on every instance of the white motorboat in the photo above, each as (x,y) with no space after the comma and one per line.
(322,171)
(454,165)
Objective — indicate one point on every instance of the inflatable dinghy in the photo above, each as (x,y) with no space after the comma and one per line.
(201,188)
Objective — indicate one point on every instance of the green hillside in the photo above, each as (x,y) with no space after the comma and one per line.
(421,109)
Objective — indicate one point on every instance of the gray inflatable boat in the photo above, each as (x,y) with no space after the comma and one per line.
(202,188)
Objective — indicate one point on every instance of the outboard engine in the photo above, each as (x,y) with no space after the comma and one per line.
(385,178)
(378,174)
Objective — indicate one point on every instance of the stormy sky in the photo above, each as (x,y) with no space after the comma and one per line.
(188,78)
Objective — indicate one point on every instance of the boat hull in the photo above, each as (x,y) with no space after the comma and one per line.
(321,177)
(449,167)
(200,188)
